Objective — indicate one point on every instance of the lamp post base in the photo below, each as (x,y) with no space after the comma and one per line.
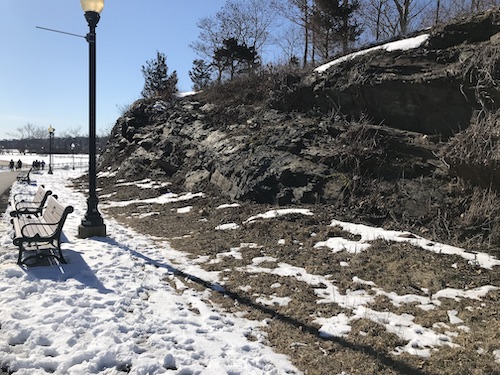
(91,231)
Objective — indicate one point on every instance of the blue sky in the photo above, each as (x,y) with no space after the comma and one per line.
(44,75)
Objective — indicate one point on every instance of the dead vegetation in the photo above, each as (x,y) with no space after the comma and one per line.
(447,205)
(444,190)
(480,71)
(291,327)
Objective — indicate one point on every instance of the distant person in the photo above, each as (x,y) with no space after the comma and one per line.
(11,164)
(19,164)
(42,164)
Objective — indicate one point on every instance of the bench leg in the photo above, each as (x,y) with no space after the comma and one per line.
(20,260)
(57,245)
(42,253)
(20,257)
(60,257)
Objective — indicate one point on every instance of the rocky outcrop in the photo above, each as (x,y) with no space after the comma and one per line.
(264,156)
(431,89)
(325,136)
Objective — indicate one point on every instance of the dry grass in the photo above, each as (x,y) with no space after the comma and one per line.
(291,328)
(4,200)
(478,144)
(474,154)
(481,71)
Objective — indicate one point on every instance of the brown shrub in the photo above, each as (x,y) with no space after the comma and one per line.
(474,154)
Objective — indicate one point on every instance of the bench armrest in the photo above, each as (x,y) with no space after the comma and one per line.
(23,195)
(27,202)
(38,224)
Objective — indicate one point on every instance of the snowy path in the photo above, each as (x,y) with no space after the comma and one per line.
(116,307)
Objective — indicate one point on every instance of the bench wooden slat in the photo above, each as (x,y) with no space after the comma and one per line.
(33,206)
(24,176)
(45,229)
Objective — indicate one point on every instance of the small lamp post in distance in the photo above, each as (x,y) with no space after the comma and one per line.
(51,137)
(73,154)
(92,223)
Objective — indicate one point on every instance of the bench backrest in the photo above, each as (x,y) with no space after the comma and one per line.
(34,206)
(55,213)
(41,195)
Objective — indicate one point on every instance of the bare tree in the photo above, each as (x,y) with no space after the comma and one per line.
(290,42)
(210,37)
(375,14)
(249,22)
(71,133)
(403,9)
(446,10)
(299,12)
(385,19)
(410,14)
(30,131)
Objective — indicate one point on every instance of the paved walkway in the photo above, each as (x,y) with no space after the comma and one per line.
(6,180)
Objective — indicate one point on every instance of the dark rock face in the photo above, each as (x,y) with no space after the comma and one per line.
(432,89)
(477,29)
(315,141)
(263,156)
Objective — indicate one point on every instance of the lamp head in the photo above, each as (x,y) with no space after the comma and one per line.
(51,129)
(92,5)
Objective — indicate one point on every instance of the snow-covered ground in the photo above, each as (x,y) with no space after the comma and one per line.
(118,305)
(113,308)
(76,161)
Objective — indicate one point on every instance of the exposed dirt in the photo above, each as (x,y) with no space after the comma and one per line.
(377,141)
(4,200)
(369,348)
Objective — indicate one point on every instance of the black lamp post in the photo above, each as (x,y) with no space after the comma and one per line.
(73,153)
(92,223)
(51,137)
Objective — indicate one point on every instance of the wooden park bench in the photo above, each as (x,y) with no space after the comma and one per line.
(41,235)
(30,204)
(24,176)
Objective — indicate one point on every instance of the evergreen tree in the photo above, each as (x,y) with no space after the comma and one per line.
(334,25)
(200,74)
(158,83)
(236,58)
(250,22)
(350,29)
